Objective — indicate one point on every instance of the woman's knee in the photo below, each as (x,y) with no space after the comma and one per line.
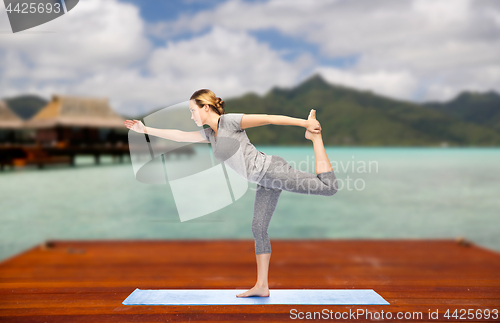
(330,181)
(332,190)
(333,187)
(259,233)
(262,243)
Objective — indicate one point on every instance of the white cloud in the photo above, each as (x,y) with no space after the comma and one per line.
(421,49)
(90,38)
(61,56)
(235,59)
(399,84)
(425,38)
(229,63)
(475,79)
(95,53)
(440,12)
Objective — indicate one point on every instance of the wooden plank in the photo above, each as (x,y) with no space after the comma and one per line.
(86,281)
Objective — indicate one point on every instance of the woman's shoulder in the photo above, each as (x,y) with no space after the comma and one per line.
(232,115)
(207,133)
(232,121)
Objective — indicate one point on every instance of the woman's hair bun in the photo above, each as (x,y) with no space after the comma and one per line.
(205,96)
(220,103)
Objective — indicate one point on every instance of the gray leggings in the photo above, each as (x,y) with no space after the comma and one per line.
(281,176)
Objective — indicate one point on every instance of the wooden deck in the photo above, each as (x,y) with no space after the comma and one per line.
(86,281)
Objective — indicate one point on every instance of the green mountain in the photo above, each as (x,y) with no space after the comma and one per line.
(352,117)
(479,108)
(356,118)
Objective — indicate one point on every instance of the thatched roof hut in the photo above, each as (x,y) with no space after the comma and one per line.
(74,111)
(8,119)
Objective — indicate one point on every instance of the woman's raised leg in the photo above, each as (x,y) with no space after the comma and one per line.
(281,176)
(322,162)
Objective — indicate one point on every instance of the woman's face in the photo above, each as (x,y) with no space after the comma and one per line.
(195,113)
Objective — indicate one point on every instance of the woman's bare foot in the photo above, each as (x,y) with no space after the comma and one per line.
(309,135)
(262,291)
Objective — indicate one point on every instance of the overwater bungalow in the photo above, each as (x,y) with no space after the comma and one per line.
(77,121)
(11,125)
(67,126)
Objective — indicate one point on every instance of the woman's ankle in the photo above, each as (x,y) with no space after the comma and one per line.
(260,285)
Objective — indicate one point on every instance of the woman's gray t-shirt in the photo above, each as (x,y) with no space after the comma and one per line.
(233,147)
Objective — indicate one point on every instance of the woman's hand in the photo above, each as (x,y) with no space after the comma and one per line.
(313,126)
(135,125)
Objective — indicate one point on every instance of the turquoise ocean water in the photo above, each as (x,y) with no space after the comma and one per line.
(384,193)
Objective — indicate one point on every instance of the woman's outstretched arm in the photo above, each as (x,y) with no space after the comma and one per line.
(255,120)
(171,134)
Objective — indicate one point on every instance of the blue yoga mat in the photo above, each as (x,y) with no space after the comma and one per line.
(277,296)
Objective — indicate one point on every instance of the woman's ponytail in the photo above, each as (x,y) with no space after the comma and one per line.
(205,96)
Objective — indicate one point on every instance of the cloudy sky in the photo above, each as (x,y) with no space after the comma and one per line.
(148,54)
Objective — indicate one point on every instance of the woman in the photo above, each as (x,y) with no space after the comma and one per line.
(271,172)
